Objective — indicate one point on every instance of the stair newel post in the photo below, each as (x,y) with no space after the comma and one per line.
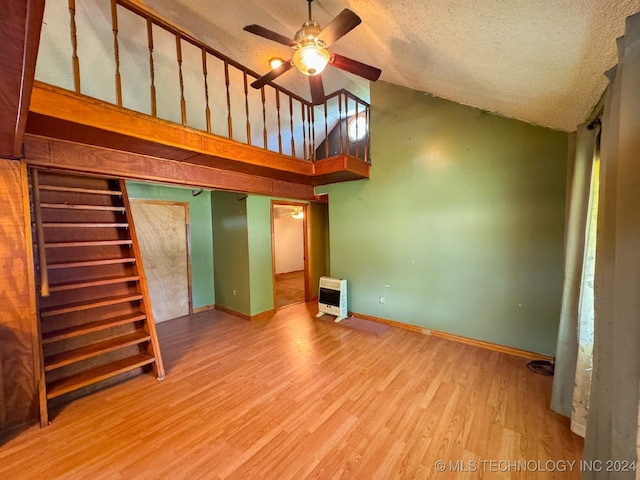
(150,324)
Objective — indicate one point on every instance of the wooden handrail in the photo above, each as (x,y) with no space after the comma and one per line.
(142,11)
(348,94)
(42,256)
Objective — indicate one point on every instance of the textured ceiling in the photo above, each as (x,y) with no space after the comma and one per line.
(541,61)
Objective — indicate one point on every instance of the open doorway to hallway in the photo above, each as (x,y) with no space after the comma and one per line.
(289,243)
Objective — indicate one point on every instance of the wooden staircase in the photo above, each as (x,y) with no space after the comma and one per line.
(96,323)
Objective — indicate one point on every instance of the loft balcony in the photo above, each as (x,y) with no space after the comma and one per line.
(113,74)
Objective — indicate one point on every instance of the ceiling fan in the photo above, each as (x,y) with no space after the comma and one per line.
(289,211)
(311,55)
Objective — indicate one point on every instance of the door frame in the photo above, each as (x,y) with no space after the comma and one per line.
(305,248)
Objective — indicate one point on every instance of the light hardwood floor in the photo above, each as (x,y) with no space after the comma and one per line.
(289,288)
(293,397)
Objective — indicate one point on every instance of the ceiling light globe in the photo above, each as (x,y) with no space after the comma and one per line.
(275,62)
(311,59)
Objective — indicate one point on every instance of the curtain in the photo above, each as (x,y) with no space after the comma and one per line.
(586,309)
(578,195)
(612,423)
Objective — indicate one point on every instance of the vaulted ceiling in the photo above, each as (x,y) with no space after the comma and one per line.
(541,61)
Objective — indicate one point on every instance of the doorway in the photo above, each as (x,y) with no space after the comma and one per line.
(290,247)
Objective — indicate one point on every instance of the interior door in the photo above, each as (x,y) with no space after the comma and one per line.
(162,229)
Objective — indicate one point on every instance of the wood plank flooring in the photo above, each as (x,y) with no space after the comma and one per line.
(294,398)
(289,288)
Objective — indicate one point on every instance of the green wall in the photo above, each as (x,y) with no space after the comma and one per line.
(252,240)
(231,251)
(318,244)
(202,271)
(460,227)
(260,253)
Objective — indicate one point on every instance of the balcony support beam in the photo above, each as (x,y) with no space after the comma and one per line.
(59,114)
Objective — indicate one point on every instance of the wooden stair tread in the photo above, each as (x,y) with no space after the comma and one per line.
(97,243)
(90,327)
(58,188)
(85,225)
(91,263)
(97,374)
(92,283)
(77,307)
(101,228)
(83,353)
(73,206)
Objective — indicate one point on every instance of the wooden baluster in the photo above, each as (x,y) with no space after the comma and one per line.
(246,107)
(293,142)
(357,128)
(74,45)
(367,145)
(349,118)
(279,126)
(312,134)
(116,50)
(152,72)
(326,130)
(304,132)
(183,103)
(207,110)
(340,123)
(226,80)
(265,134)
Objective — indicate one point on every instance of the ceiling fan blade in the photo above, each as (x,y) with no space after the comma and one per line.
(355,67)
(317,89)
(339,26)
(272,75)
(270,35)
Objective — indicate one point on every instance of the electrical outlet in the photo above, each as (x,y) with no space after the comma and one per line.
(233,292)
(382,300)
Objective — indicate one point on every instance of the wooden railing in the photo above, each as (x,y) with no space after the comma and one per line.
(152,66)
(347,136)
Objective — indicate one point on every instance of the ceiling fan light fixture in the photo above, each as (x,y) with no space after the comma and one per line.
(311,59)
(275,62)
(297,213)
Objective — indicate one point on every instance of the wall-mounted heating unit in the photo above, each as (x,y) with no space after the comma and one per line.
(332,298)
